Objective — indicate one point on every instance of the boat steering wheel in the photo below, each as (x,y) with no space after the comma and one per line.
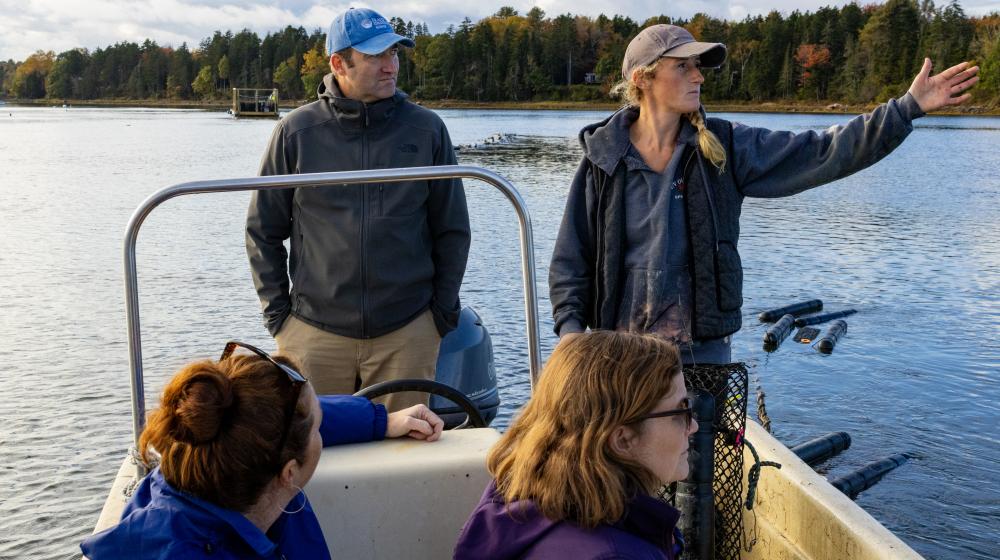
(473,419)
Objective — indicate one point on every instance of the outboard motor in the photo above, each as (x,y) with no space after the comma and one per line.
(465,362)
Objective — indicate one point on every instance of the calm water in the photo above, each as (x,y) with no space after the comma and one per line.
(911,243)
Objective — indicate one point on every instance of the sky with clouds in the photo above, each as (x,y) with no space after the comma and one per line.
(59,25)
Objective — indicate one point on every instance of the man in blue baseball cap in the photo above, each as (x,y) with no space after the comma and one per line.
(373,76)
(375,269)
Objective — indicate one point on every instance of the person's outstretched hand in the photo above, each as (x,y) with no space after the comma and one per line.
(417,422)
(935,92)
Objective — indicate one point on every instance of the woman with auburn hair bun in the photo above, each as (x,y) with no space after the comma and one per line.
(575,475)
(235,442)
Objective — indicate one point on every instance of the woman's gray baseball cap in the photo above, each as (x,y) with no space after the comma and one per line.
(661,40)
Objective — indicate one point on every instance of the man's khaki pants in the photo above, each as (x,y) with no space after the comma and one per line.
(338,364)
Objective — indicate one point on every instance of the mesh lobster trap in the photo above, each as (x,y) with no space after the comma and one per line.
(728,385)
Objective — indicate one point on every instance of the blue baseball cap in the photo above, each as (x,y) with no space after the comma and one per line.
(365,30)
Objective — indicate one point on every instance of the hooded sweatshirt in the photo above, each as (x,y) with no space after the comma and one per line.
(365,259)
(496,531)
(597,264)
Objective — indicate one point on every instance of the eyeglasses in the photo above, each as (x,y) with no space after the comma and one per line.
(294,377)
(685,410)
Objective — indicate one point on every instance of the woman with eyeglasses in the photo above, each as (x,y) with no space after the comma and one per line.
(236,441)
(575,475)
(648,241)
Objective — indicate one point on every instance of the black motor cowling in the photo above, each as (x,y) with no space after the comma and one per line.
(465,362)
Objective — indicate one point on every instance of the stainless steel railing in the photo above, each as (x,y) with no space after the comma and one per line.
(319,180)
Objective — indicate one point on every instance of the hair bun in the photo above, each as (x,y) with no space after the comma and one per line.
(201,406)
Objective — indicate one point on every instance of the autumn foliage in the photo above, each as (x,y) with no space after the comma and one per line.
(850,53)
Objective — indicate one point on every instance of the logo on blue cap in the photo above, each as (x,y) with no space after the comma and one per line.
(365,30)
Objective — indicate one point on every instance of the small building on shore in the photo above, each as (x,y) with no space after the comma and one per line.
(250,102)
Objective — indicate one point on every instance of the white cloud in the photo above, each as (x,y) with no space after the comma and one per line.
(59,25)
(737,12)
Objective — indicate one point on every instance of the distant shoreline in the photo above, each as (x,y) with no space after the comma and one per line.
(826,107)
(786,106)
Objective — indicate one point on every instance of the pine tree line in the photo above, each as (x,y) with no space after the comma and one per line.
(853,53)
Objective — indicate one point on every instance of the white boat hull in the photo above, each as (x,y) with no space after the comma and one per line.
(409,499)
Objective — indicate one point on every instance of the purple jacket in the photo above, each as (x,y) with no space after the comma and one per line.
(646,532)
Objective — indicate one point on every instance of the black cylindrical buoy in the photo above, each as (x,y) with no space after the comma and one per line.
(817,319)
(778,331)
(868,475)
(817,450)
(800,308)
(806,335)
(694,494)
(833,334)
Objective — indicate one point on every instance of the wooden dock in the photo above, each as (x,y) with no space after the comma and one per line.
(249,102)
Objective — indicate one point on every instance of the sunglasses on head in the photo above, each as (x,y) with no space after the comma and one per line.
(232,345)
(294,377)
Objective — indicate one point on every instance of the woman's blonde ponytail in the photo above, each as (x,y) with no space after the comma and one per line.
(708,142)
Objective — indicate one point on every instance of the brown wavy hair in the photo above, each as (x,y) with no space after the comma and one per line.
(217,429)
(708,142)
(557,451)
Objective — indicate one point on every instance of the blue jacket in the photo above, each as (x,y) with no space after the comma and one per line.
(495,532)
(161,522)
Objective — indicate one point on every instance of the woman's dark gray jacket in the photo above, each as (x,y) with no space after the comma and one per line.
(587,270)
